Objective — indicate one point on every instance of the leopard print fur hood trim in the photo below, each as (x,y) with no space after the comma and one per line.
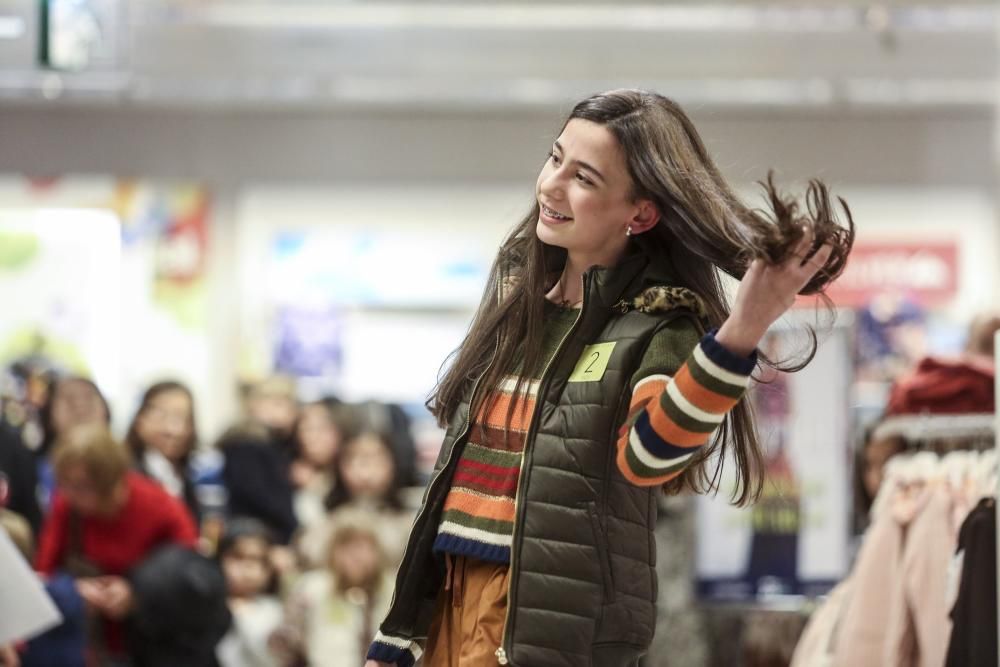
(660,299)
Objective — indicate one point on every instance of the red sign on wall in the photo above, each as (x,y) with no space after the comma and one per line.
(927,272)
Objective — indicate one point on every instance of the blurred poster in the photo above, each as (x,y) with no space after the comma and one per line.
(165,228)
(399,269)
(308,341)
(367,313)
(795,539)
(924,272)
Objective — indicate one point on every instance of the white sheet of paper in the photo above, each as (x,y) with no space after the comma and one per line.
(25,608)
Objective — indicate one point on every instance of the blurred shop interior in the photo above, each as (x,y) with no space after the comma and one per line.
(254,198)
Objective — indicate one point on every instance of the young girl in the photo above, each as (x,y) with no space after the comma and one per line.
(317,436)
(366,477)
(331,612)
(582,387)
(244,553)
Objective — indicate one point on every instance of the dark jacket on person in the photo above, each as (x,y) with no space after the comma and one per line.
(180,612)
(65,644)
(583,586)
(19,478)
(256,477)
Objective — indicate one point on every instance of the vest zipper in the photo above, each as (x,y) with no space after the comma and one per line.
(501,652)
(451,454)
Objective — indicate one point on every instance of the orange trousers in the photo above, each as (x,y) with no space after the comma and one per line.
(468,621)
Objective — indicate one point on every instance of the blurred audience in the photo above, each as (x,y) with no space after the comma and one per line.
(105,519)
(321,428)
(252,584)
(331,613)
(180,612)
(273,404)
(255,474)
(18,477)
(63,645)
(72,401)
(366,477)
(162,440)
(869,470)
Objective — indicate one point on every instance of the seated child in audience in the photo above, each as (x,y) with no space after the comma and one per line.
(367,478)
(331,613)
(244,552)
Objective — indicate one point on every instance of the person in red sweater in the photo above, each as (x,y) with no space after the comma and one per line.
(105,519)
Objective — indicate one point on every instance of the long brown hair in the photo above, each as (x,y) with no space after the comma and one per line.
(703,228)
(135,443)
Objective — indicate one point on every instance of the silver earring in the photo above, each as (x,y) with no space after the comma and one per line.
(628,231)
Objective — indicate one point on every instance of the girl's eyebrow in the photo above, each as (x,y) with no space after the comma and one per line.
(583,164)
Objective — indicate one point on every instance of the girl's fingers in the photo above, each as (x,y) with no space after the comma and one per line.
(805,243)
(818,260)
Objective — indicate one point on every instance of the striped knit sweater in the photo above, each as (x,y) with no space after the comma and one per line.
(478,518)
(676,405)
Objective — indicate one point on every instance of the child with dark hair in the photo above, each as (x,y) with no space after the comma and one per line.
(869,469)
(245,555)
(365,477)
(322,427)
(162,439)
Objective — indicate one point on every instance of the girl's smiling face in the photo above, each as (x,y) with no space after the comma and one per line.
(585,195)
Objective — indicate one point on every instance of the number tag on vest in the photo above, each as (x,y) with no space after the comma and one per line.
(593,362)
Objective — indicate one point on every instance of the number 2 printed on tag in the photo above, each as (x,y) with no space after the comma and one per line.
(592,363)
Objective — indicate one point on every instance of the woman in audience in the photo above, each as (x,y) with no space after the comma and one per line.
(105,519)
(72,401)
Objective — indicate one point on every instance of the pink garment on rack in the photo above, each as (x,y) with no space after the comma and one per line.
(860,640)
(919,626)
(815,646)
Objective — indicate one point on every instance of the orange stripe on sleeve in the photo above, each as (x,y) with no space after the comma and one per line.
(700,396)
(668,429)
(636,479)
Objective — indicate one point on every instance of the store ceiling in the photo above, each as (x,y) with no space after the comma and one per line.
(489,55)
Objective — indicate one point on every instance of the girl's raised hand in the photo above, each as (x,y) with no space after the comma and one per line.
(766,292)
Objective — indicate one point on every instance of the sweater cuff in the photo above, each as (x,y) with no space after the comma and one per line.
(728,360)
(386,648)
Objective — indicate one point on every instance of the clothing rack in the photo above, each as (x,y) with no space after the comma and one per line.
(916,428)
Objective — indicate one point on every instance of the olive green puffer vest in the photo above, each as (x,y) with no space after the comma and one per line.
(583,584)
